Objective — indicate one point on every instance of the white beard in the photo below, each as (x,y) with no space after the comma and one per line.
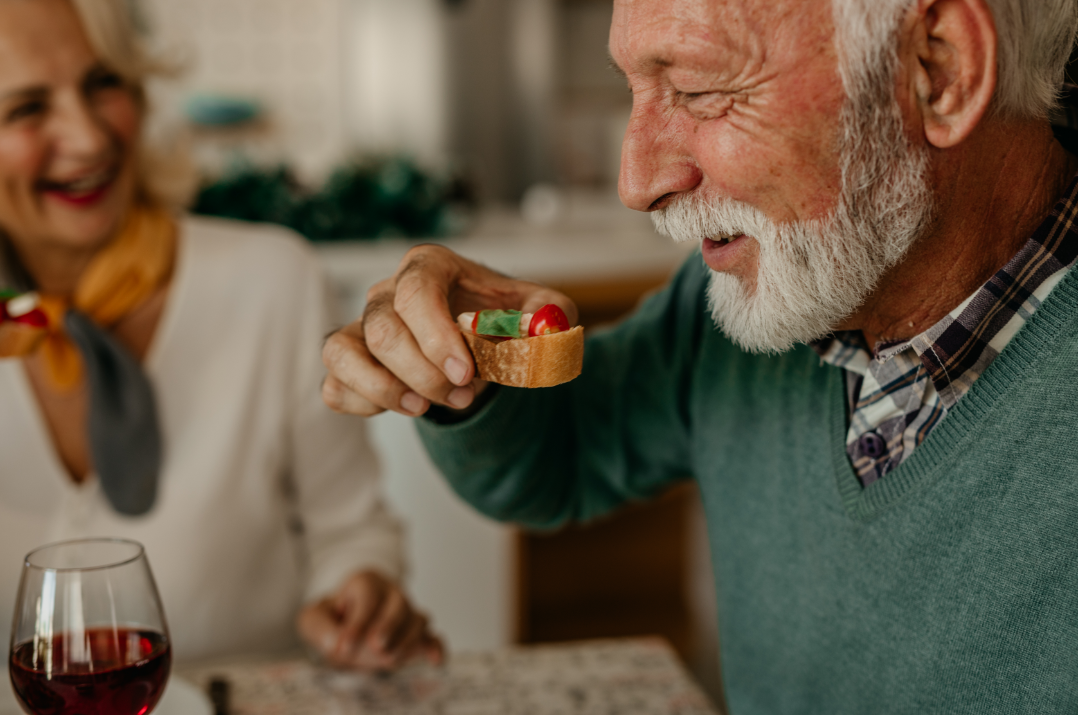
(813,274)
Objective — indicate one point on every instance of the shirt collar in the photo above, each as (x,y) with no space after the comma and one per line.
(958,348)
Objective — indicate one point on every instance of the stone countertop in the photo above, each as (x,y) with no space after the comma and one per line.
(628,676)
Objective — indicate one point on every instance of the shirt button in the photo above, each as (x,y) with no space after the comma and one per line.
(872,445)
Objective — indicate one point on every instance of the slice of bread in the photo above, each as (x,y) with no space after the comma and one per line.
(18,339)
(542,361)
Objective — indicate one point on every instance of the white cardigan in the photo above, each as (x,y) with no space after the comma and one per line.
(266,499)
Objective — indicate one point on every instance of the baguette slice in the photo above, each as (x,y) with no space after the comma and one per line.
(19,339)
(543,361)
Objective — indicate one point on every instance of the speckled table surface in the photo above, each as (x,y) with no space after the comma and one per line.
(622,677)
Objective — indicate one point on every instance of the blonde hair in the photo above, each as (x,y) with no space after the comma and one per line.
(166,173)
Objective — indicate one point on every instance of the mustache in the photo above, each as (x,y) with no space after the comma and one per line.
(693,218)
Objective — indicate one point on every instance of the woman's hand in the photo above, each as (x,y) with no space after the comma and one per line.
(368,625)
(407,351)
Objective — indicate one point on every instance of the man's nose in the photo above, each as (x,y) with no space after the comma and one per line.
(655,163)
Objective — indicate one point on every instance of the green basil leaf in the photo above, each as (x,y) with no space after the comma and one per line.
(499,323)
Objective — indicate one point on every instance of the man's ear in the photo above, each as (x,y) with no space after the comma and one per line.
(952,64)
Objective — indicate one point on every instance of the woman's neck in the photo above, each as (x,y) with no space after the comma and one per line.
(49,269)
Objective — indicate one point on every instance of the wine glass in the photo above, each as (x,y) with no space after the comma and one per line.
(89,636)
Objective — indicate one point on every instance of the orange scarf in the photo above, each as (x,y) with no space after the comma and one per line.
(120,278)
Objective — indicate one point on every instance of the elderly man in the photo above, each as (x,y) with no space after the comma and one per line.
(883,431)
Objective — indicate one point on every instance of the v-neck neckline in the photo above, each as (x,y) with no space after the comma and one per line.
(929,459)
(38,425)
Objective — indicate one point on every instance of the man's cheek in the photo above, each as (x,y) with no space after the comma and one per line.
(738,166)
(785,175)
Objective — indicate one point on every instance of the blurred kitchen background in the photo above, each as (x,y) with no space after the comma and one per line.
(493,126)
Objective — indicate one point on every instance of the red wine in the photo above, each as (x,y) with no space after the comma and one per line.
(124,674)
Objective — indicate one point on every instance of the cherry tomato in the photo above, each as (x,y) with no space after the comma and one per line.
(548,320)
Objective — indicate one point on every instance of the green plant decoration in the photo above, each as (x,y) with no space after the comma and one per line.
(373,199)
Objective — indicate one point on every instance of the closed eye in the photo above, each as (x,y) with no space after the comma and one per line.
(613,67)
(694,96)
(706,105)
(101,78)
(25,110)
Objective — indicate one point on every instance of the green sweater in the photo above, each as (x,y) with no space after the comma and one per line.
(950,586)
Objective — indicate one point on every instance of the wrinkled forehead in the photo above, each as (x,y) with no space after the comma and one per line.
(644,32)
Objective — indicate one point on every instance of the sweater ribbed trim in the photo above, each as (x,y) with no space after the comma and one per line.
(930,460)
(476,433)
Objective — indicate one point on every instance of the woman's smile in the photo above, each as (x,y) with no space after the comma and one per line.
(69,130)
(83,190)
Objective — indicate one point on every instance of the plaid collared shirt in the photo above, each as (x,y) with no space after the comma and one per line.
(897,393)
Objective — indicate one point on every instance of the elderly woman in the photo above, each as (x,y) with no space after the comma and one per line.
(258,506)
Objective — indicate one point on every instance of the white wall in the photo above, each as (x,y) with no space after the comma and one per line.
(287,54)
(336,77)
(395,75)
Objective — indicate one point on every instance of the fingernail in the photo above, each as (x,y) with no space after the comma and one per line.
(412,403)
(460,397)
(455,370)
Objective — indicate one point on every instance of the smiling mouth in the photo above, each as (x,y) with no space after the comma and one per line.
(82,187)
(724,239)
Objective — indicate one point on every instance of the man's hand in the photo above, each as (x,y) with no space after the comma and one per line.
(407,351)
(368,625)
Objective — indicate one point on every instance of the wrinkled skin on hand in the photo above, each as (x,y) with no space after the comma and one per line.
(406,352)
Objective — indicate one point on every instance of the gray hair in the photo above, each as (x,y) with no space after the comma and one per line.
(1035,38)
